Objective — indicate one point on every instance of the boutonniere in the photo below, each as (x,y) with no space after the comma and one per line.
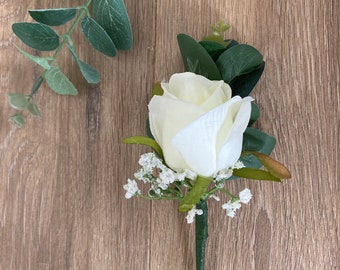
(200,131)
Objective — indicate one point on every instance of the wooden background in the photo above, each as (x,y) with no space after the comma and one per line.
(62,205)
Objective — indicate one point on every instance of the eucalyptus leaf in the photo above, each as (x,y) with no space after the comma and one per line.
(255,174)
(17,101)
(90,74)
(113,17)
(43,62)
(98,37)
(214,49)
(37,36)
(143,140)
(195,194)
(255,114)
(53,17)
(58,82)
(33,109)
(238,60)
(18,120)
(196,59)
(244,84)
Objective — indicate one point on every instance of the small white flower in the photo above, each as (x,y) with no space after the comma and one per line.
(223,175)
(192,213)
(238,165)
(131,189)
(149,161)
(231,207)
(245,196)
(190,174)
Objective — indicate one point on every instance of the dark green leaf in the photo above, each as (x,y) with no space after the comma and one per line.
(59,83)
(90,74)
(37,36)
(38,60)
(18,120)
(33,109)
(244,84)
(98,37)
(255,114)
(53,17)
(255,174)
(113,17)
(196,59)
(238,60)
(213,48)
(258,141)
(143,140)
(18,101)
(195,194)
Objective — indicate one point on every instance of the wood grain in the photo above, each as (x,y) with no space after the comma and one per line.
(62,205)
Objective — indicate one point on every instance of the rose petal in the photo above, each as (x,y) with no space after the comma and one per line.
(197,141)
(230,150)
(166,119)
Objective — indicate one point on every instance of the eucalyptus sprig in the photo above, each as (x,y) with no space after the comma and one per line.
(104,23)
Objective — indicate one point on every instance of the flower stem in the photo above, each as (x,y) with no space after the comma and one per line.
(201,232)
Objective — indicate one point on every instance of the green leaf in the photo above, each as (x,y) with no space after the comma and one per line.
(274,167)
(257,141)
(157,89)
(38,60)
(244,84)
(17,101)
(213,48)
(98,37)
(17,119)
(195,194)
(143,140)
(90,74)
(255,174)
(58,82)
(37,36)
(238,60)
(113,17)
(255,114)
(33,109)
(53,17)
(196,59)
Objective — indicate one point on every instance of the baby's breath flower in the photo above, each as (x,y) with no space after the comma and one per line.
(192,213)
(238,165)
(223,175)
(231,207)
(245,196)
(131,189)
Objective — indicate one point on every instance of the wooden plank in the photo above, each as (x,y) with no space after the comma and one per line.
(62,205)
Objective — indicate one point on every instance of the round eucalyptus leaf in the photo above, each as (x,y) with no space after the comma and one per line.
(18,101)
(59,83)
(18,120)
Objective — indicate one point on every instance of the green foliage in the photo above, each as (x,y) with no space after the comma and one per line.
(195,194)
(41,61)
(90,74)
(196,59)
(53,17)
(58,82)
(238,60)
(109,30)
(37,36)
(143,140)
(217,33)
(255,114)
(18,101)
(201,233)
(255,174)
(113,17)
(98,37)
(18,120)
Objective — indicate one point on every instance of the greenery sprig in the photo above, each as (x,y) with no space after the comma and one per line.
(104,23)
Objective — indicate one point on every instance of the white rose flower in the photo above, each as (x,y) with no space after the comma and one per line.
(197,124)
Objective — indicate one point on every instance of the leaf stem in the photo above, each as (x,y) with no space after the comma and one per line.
(201,234)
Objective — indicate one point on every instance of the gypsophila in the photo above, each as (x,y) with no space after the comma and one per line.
(192,213)
(232,205)
(131,189)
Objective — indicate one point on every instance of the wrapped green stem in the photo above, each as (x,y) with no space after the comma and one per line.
(201,233)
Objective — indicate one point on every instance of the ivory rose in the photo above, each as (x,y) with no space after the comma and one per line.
(197,123)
